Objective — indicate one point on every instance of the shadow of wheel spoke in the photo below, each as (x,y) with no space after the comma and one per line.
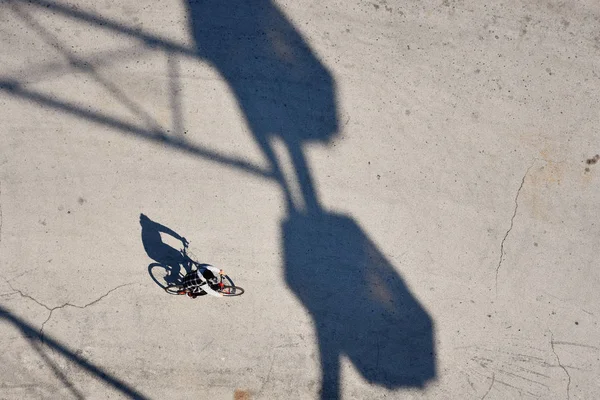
(162,275)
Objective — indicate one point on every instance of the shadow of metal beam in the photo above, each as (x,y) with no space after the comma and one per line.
(16,89)
(37,346)
(31,334)
(156,135)
(34,73)
(85,67)
(104,23)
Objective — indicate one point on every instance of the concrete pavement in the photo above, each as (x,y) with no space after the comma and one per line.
(407,190)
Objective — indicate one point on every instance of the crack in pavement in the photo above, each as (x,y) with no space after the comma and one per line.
(552,342)
(26,295)
(268,378)
(512,220)
(51,310)
(25,273)
(80,307)
(490,388)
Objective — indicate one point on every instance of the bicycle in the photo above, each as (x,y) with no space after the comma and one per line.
(223,284)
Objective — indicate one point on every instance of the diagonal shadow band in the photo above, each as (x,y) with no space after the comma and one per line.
(105,23)
(16,89)
(81,65)
(34,336)
(361,307)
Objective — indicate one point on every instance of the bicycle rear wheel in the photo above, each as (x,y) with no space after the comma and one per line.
(175,289)
(227,290)
(226,280)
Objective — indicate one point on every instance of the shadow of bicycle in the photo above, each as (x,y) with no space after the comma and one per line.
(163,275)
(171,265)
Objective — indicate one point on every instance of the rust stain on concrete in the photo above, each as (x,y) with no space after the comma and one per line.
(240,394)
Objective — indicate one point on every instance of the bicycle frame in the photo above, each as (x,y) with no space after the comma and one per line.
(223,281)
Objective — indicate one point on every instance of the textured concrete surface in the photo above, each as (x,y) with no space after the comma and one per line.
(456,154)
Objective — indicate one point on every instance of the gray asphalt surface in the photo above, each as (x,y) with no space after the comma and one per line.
(407,191)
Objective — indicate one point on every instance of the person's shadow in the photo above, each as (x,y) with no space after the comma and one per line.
(173,262)
(361,307)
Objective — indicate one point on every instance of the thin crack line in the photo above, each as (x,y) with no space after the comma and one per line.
(560,365)
(551,161)
(576,344)
(51,310)
(268,376)
(24,273)
(43,324)
(512,221)
(80,307)
(98,299)
(41,331)
(490,388)
(26,295)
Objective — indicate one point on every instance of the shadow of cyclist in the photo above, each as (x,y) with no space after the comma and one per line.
(161,252)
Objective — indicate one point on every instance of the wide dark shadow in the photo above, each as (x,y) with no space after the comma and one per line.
(361,307)
(281,87)
(36,339)
(143,126)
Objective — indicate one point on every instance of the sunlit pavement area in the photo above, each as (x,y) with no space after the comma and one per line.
(407,190)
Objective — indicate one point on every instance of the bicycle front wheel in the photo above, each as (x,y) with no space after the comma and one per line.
(175,289)
(231,290)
